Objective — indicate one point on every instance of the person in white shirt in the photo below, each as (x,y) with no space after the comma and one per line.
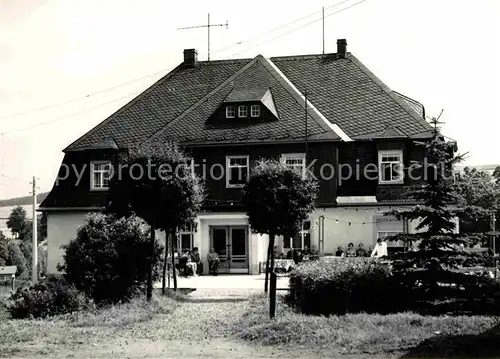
(380,249)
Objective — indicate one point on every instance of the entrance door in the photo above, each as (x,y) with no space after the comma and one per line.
(231,244)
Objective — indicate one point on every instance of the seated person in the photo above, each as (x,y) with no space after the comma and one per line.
(351,252)
(369,251)
(182,262)
(187,264)
(339,252)
(277,252)
(195,257)
(306,251)
(314,253)
(298,257)
(289,254)
(360,252)
(213,261)
(380,249)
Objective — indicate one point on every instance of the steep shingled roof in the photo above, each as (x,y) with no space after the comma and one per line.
(346,101)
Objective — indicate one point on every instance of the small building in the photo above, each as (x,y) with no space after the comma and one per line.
(6,272)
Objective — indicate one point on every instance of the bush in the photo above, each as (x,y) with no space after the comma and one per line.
(16,258)
(109,259)
(345,286)
(26,247)
(51,297)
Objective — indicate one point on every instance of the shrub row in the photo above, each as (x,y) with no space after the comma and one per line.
(367,285)
(344,286)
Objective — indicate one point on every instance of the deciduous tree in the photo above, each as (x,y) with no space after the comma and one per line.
(17,220)
(277,200)
(159,187)
(4,252)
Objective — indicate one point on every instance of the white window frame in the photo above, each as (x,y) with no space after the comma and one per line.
(228,169)
(100,186)
(302,233)
(301,156)
(185,231)
(228,109)
(381,233)
(240,108)
(394,153)
(255,111)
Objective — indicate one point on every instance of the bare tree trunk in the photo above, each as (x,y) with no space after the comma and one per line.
(168,251)
(149,290)
(174,274)
(266,281)
(272,294)
(165,260)
(271,252)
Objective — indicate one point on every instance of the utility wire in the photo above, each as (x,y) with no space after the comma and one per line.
(66,116)
(86,96)
(298,28)
(279,27)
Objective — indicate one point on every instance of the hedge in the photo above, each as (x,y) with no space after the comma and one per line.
(345,286)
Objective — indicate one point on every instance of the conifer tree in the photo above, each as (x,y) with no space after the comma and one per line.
(438,249)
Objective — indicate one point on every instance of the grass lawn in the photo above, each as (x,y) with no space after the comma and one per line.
(208,323)
(404,335)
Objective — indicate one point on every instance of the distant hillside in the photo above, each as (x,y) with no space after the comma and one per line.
(22,201)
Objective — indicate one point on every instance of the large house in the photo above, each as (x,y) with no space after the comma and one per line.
(324,113)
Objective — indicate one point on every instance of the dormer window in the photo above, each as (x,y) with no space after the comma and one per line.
(255,111)
(230,112)
(242,111)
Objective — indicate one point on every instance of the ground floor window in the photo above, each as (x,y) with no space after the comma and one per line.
(302,240)
(389,227)
(184,239)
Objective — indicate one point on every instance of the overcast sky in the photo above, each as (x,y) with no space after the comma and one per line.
(443,53)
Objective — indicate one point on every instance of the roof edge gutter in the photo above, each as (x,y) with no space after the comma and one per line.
(68,209)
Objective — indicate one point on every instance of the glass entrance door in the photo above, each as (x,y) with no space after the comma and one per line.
(231,244)
(238,238)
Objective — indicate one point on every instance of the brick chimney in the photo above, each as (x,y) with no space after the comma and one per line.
(341,48)
(190,57)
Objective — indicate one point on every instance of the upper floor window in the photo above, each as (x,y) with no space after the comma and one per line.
(236,171)
(390,166)
(295,161)
(242,111)
(302,240)
(255,111)
(100,174)
(230,112)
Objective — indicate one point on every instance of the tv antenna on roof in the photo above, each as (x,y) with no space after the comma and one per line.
(208,26)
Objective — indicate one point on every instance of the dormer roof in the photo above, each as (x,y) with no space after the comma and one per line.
(246,95)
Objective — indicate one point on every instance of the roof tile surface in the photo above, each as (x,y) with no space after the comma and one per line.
(343,90)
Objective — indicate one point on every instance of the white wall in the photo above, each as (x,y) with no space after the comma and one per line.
(338,232)
(61,228)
